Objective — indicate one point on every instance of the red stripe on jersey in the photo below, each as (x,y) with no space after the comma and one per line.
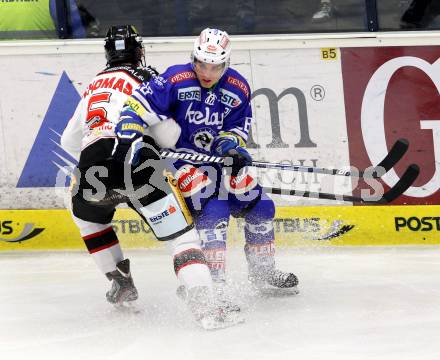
(104,247)
(99,233)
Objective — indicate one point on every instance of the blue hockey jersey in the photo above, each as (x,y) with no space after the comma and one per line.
(202,114)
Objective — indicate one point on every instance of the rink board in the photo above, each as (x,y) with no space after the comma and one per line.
(294,226)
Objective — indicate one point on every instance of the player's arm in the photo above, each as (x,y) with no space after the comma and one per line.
(149,103)
(232,140)
(235,132)
(147,108)
(73,133)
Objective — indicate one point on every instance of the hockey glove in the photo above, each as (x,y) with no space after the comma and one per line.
(223,143)
(231,146)
(237,158)
(128,140)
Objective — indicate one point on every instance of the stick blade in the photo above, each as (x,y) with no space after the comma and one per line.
(407,179)
(396,152)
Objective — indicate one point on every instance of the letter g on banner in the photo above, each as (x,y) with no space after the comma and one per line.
(373,122)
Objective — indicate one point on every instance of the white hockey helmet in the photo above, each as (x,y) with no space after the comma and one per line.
(213,46)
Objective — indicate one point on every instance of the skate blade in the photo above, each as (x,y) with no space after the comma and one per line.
(270,291)
(226,305)
(212,323)
(275,292)
(128,307)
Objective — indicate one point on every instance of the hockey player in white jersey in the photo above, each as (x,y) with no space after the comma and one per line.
(107,151)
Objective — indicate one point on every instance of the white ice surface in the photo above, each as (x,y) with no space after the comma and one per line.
(355,303)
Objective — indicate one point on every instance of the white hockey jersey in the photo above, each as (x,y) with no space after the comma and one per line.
(98,112)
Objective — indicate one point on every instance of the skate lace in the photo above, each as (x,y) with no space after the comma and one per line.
(282,279)
(278,276)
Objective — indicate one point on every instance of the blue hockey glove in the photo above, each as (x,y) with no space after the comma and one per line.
(229,146)
(128,138)
(223,143)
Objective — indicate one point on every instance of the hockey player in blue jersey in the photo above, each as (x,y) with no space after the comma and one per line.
(211,103)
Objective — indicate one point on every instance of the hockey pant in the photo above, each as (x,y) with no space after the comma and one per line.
(169,219)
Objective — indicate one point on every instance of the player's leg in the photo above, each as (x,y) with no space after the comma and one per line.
(167,214)
(94,223)
(212,224)
(258,214)
(199,187)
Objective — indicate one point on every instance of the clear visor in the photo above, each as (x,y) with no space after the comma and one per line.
(208,68)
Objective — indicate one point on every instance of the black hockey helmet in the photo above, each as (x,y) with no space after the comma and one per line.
(123,44)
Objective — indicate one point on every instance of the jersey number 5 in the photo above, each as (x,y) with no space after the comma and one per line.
(96,115)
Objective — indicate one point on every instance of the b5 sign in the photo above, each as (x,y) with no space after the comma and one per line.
(394,93)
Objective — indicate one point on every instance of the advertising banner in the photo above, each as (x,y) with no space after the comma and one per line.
(394,93)
(294,226)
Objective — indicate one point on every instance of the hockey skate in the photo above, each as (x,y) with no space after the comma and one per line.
(271,278)
(123,289)
(221,295)
(207,312)
(224,297)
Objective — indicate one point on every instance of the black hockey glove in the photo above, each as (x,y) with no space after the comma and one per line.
(237,158)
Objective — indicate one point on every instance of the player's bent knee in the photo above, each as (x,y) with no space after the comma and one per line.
(188,240)
(188,257)
(264,210)
(168,216)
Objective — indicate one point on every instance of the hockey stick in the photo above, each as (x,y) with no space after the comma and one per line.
(396,153)
(393,193)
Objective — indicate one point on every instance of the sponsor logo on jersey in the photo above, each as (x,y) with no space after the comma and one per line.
(207,118)
(211,98)
(189,93)
(145,89)
(239,84)
(157,218)
(216,258)
(261,249)
(159,80)
(135,105)
(190,180)
(47,157)
(203,138)
(28,231)
(262,228)
(229,98)
(186,75)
